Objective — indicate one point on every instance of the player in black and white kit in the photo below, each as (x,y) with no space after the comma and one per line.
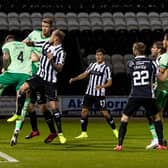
(51,62)
(142,71)
(99,79)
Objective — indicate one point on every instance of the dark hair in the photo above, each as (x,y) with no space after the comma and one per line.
(159,45)
(9,37)
(140,47)
(48,20)
(101,50)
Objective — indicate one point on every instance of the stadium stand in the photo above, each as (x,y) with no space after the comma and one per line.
(89,24)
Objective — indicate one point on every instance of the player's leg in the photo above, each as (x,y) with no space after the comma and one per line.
(110,121)
(132,106)
(20,102)
(32,83)
(159,130)
(162,98)
(32,115)
(100,103)
(154,141)
(152,110)
(49,120)
(19,123)
(86,105)
(84,123)
(57,117)
(33,121)
(51,92)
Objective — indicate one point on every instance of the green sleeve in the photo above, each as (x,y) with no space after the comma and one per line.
(164,61)
(29,37)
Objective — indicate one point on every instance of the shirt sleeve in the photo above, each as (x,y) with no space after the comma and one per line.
(108,73)
(89,68)
(5,48)
(39,43)
(164,61)
(61,58)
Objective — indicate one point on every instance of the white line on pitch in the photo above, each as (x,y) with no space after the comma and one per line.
(7,157)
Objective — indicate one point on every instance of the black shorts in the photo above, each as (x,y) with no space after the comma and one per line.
(40,90)
(135,103)
(98,101)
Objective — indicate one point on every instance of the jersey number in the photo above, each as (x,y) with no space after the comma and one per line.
(20,56)
(141,78)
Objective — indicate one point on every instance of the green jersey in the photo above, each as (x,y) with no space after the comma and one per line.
(163,63)
(19,57)
(36,36)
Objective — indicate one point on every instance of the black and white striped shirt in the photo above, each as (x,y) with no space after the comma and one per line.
(46,70)
(99,75)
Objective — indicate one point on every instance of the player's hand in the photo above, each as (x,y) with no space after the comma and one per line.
(98,87)
(71,80)
(3,70)
(28,42)
(50,56)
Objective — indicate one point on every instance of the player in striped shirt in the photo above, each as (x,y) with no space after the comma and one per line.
(51,62)
(99,79)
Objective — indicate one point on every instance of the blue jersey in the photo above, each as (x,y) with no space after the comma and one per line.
(142,71)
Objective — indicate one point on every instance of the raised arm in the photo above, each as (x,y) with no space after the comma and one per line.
(79,77)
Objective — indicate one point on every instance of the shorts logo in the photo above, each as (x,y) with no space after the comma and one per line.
(102,103)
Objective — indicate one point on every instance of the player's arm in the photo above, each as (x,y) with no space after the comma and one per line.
(56,65)
(109,80)
(6,57)
(79,77)
(163,75)
(106,85)
(35,57)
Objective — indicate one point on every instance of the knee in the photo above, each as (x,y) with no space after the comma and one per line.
(43,108)
(84,112)
(124,118)
(24,87)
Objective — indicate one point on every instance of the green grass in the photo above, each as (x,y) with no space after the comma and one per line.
(95,152)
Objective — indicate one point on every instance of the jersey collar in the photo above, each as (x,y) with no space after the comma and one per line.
(101,63)
(140,56)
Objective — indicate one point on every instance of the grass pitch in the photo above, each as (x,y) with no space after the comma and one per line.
(94,152)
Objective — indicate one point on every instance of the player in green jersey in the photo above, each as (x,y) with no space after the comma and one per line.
(161,87)
(17,65)
(35,35)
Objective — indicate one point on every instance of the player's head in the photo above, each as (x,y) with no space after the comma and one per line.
(139,48)
(165,41)
(57,36)
(157,49)
(9,38)
(46,26)
(100,55)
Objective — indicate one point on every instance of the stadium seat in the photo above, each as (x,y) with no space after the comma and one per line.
(107,20)
(3,21)
(13,21)
(154,20)
(118,68)
(116,58)
(25,21)
(131,21)
(164,20)
(143,21)
(36,19)
(119,21)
